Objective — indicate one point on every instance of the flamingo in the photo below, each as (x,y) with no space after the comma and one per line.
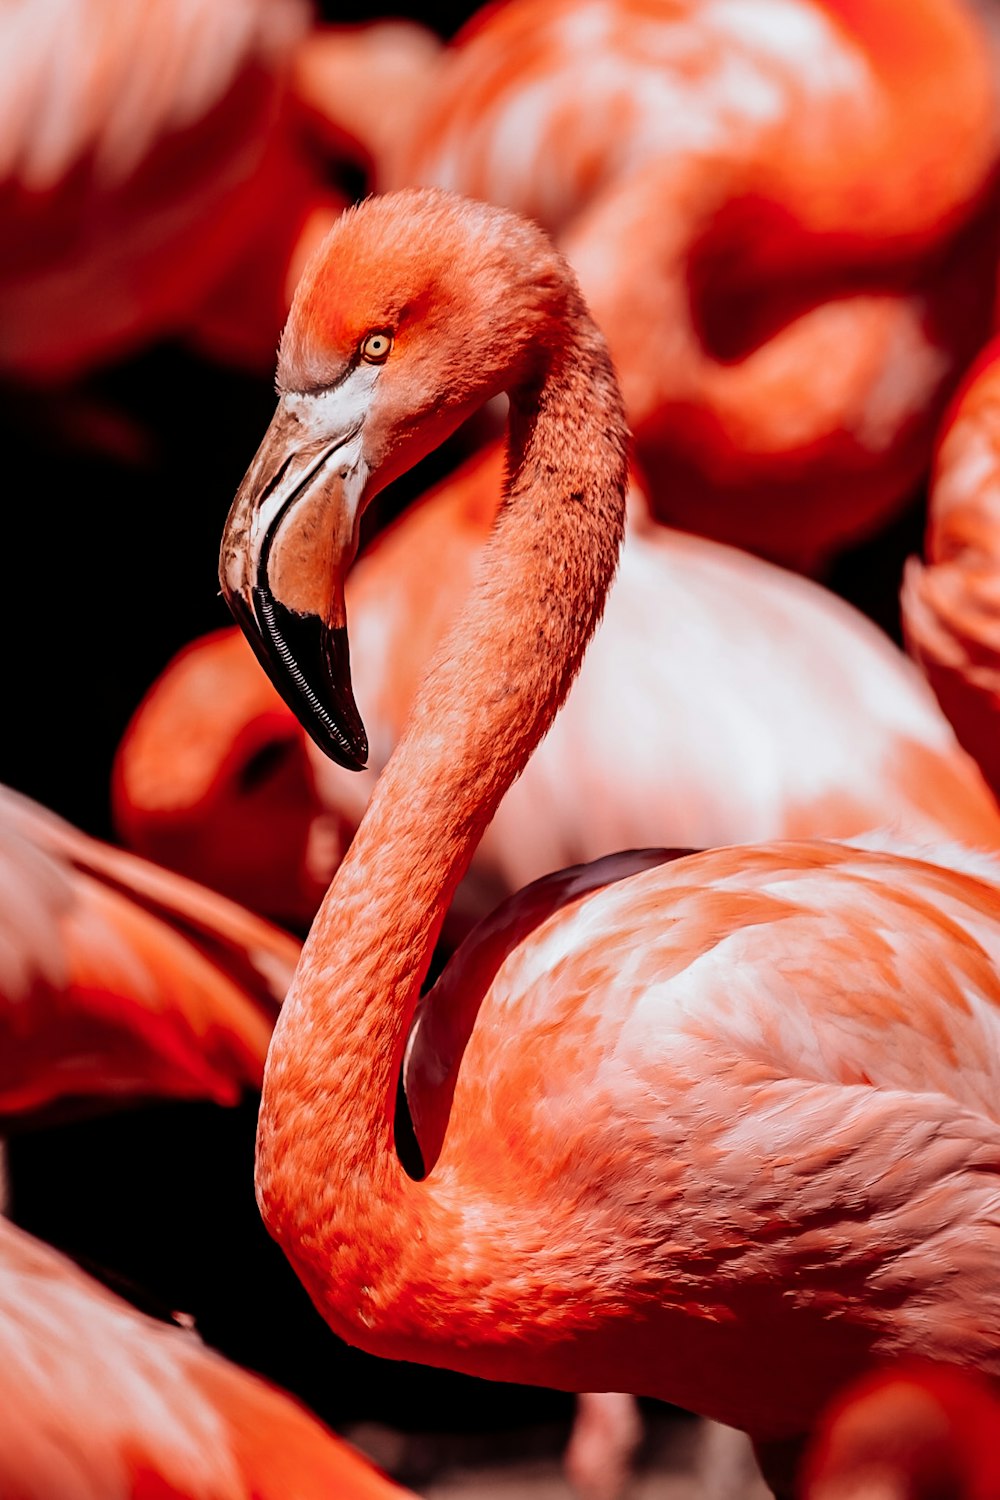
(365,85)
(782,215)
(949,598)
(920,1432)
(718,1129)
(212,778)
(102,1402)
(214,774)
(120,981)
(166,168)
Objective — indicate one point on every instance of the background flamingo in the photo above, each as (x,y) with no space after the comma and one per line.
(132,189)
(130,996)
(949,598)
(650,1095)
(215,776)
(102,1401)
(165,168)
(915,1432)
(122,981)
(366,85)
(783,218)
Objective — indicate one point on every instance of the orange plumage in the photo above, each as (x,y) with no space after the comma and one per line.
(102,1402)
(120,981)
(950,600)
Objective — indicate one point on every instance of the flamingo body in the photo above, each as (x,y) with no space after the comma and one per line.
(825,1127)
(722,1130)
(949,600)
(102,1402)
(119,980)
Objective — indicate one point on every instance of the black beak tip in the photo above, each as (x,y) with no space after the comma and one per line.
(351,752)
(309,664)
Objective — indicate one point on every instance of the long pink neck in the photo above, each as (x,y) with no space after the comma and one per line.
(358,1230)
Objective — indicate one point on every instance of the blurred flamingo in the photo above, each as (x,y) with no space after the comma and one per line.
(120,981)
(950,599)
(165,168)
(213,778)
(102,1402)
(783,217)
(719,1129)
(214,775)
(920,1432)
(366,85)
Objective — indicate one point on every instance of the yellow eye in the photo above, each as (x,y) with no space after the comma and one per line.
(375,348)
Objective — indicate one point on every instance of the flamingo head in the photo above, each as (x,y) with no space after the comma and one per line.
(417,308)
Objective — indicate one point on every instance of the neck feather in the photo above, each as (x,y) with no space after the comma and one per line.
(330,1184)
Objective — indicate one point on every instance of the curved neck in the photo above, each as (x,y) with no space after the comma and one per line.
(330,1184)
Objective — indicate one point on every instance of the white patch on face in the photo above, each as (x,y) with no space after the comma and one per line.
(332,421)
(339,408)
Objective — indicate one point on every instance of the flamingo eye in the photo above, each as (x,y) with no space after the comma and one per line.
(376,348)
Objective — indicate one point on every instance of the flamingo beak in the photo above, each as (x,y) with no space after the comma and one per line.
(288,542)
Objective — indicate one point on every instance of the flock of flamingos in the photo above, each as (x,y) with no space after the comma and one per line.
(605,910)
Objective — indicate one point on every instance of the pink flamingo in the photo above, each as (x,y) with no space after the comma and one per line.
(719,1129)
(102,1401)
(782,214)
(214,774)
(121,981)
(165,169)
(366,85)
(950,599)
(212,777)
